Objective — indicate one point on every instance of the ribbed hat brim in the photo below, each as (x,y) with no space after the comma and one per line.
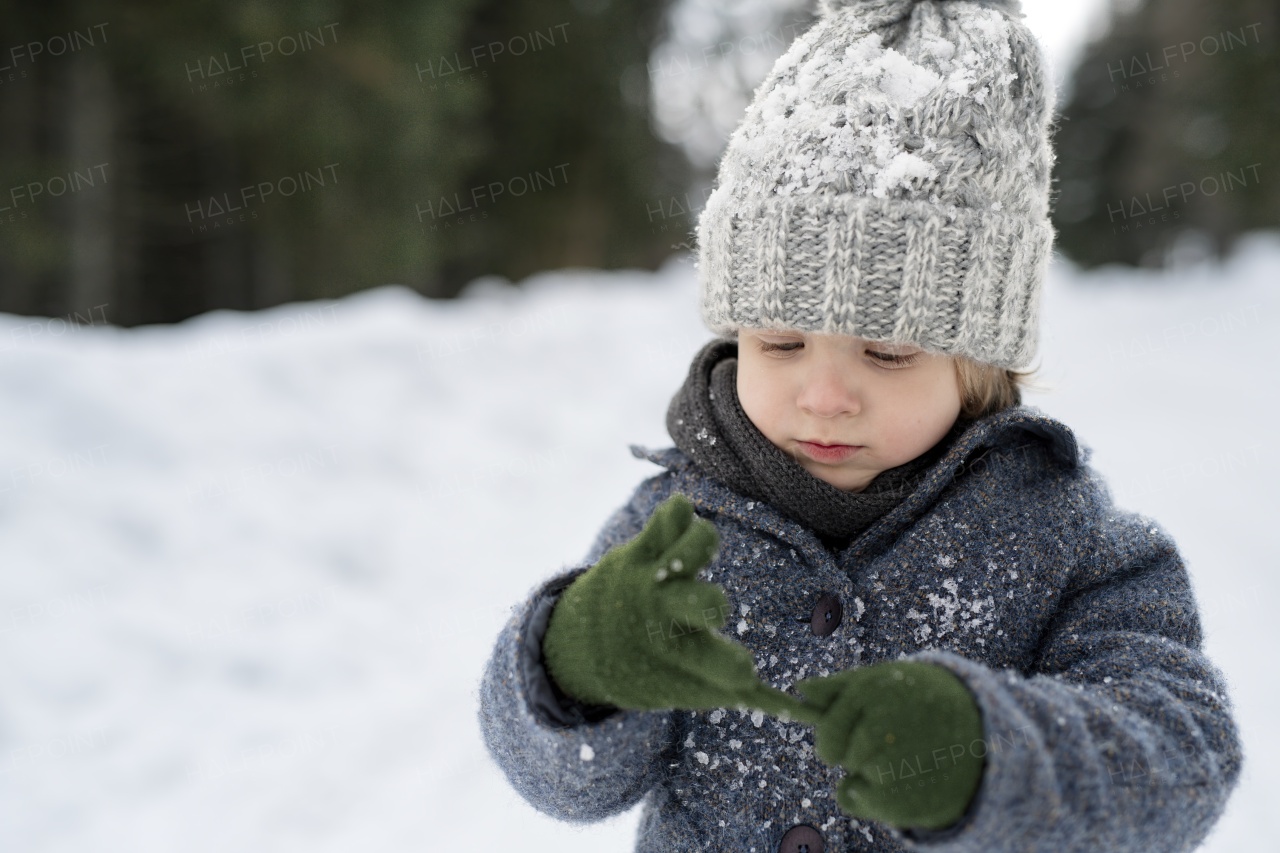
(950,280)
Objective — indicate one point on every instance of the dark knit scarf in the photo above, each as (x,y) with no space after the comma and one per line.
(707,422)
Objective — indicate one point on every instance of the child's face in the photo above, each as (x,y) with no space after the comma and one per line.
(837,389)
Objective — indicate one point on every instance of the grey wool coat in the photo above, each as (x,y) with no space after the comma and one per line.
(1072,622)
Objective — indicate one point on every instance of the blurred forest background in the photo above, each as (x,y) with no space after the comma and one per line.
(158,161)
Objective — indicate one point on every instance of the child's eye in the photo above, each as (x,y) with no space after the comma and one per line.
(884,359)
(895,360)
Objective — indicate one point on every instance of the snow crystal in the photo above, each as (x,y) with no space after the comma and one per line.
(994,32)
(742,626)
(716,716)
(953,613)
(939,48)
(946,560)
(702,757)
(757,718)
(735,744)
(806,803)
(901,169)
(904,81)
(688,742)
(586,753)
(960,83)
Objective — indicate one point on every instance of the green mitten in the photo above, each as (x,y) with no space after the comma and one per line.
(637,630)
(904,732)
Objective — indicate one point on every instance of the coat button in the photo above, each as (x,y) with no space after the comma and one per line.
(801,838)
(826,615)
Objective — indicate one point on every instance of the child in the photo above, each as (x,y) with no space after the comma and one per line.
(940,634)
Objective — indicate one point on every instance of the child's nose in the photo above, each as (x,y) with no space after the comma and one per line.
(829,389)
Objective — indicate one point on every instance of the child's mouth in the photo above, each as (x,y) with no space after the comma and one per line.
(829,452)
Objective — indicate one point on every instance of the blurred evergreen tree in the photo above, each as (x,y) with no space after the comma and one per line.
(1169,133)
(251,154)
(572,120)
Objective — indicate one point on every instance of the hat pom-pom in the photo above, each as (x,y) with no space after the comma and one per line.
(829,7)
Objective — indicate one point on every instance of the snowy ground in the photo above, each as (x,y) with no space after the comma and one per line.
(251,565)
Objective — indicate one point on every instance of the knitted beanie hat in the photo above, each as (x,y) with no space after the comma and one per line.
(890,180)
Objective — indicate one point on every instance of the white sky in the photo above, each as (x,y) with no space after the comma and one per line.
(1064,29)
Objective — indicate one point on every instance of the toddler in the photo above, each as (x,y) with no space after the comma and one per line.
(872,601)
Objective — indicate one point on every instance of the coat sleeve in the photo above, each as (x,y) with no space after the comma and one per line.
(1121,736)
(572,761)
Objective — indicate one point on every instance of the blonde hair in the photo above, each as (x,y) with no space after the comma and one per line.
(986,389)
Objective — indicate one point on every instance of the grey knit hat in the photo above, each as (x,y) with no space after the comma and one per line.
(890,180)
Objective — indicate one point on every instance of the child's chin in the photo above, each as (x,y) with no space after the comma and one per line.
(844,484)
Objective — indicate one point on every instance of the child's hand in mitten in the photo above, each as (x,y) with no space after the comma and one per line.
(637,629)
(903,731)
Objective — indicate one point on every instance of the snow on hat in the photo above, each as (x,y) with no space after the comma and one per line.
(890,180)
